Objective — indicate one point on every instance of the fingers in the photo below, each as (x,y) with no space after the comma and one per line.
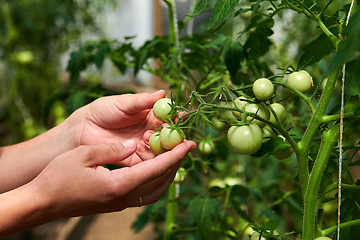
(158,187)
(147,171)
(133,103)
(107,153)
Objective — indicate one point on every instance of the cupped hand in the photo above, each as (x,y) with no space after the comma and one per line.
(76,183)
(116,119)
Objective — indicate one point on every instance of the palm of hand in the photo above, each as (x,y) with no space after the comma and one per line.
(110,121)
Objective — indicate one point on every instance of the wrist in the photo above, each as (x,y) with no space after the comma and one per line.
(21,209)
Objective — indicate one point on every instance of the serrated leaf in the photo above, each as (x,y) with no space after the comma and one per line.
(233,54)
(271,146)
(349,49)
(203,213)
(316,50)
(258,42)
(221,10)
(100,54)
(200,7)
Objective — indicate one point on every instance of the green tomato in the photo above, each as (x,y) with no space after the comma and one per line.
(260,111)
(206,147)
(180,175)
(263,89)
(225,114)
(217,124)
(245,139)
(268,132)
(155,144)
(300,80)
(256,235)
(239,103)
(24,57)
(162,108)
(323,238)
(170,137)
(283,152)
(280,112)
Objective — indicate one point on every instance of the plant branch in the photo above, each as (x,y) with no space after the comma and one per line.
(332,229)
(329,139)
(170,215)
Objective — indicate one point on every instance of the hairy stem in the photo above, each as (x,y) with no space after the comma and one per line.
(329,139)
(304,145)
(170,215)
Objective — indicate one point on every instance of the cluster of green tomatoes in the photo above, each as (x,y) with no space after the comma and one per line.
(252,115)
(169,136)
(248,137)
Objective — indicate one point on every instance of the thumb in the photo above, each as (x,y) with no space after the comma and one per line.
(134,103)
(109,153)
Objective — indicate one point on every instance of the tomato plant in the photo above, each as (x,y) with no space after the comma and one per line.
(212,75)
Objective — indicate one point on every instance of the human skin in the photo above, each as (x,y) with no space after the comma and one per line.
(61,173)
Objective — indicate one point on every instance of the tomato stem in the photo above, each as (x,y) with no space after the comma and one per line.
(170,215)
(332,229)
(328,141)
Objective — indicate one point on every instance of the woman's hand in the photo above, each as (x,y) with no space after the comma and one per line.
(116,119)
(76,183)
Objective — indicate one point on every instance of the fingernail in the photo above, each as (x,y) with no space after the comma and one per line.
(129,144)
(154,93)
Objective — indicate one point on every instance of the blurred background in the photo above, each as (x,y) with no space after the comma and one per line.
(37,38)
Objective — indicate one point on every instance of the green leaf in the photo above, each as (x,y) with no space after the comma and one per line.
(233,54)
(271,146)
(352,84)
(350,48)
(203,213)
(199,8)
(316,50)
(221,10)
(101,53)
(258,42)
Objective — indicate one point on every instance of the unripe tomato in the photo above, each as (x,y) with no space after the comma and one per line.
(260,111)
(170,137)
(245,139)
(323,238)
(284,152)
(24,57)
(155,144)
(268,132)
(162,108)
(180,175)
(239,103)
(263,89)
(300,80)
(217,124)
(206,147)
(280,112)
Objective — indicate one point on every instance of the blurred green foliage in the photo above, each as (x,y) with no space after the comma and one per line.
(34,34)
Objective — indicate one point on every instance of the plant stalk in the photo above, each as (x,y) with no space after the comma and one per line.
(303,145)
(329,139)
(170,215)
